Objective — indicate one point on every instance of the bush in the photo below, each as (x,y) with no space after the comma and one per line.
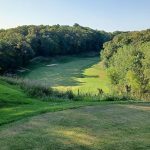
(70,94)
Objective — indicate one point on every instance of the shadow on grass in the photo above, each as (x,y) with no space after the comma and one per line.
(64,74)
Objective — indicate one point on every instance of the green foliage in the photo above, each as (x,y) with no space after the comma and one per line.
(19,45)
(127,59)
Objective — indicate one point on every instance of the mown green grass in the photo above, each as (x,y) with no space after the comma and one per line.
(102,127)
(70,73)
(12,95)
(95,77)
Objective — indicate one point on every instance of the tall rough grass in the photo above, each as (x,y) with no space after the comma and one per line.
(37,89)
(46,93)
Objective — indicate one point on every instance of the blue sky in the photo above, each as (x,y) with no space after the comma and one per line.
(109,15)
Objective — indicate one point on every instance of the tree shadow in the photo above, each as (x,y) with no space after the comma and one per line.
(64,74)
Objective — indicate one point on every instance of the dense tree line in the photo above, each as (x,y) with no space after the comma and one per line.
(19,45)
(127,59)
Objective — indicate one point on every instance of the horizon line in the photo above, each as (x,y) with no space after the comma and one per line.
(15,26)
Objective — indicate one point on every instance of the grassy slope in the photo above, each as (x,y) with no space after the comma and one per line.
(103,127)
(83,73)
(15,104)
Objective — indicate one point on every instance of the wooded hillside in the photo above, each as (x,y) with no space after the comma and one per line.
(19,45)
(127,59)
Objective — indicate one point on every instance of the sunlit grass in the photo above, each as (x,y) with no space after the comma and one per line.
(83,74)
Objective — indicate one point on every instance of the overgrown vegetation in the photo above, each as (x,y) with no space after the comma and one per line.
(127,59)
(45,93)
